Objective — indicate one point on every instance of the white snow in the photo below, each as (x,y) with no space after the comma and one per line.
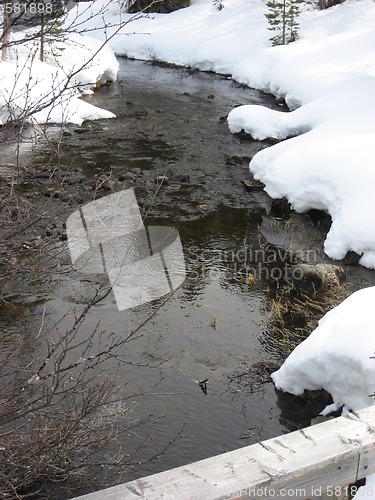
(33,85)
(49,91)
(337,356)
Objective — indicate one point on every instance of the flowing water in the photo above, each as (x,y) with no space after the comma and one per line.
(173,122)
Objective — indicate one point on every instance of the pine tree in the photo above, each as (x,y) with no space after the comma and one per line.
(291,20)
(282,18)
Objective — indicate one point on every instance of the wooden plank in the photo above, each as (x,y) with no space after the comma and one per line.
(302,464)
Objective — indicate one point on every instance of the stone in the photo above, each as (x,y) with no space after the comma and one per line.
(351,258)
(252,185)
(179,178)
(65,197)
(280,207)
(45,174)
(136,171)
(174,187)
(51,193)
(80,131)
(161,179)
(127,176)
(72,180)
(61,234)
(236,160)
(108,185)
(203,208)
(92,182)
(141,113)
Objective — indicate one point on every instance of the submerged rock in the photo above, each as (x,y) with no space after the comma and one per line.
(280,207)
(174,187)
(127,176)
(177,179)
(136,171)
(161,179)
(82,130)
(351,258)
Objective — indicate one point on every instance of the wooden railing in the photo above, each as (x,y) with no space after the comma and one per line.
(315,462)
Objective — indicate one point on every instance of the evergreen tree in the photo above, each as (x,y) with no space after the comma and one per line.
(292,20)
(282,19)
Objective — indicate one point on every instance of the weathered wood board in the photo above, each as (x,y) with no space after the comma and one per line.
(303,464)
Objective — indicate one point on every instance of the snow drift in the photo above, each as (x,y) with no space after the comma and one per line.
(48,92)
(337,356)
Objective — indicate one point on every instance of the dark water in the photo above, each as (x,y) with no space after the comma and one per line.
(171,121)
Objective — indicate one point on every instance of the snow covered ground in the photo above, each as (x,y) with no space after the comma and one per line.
(48,92)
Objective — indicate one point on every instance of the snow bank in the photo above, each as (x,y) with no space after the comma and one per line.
(199,36)
(39,90)
(337,355)
(48,92)
(98,62)
(330,168)
(331,72)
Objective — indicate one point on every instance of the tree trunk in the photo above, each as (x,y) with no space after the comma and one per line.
(42,38)
(6,33)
